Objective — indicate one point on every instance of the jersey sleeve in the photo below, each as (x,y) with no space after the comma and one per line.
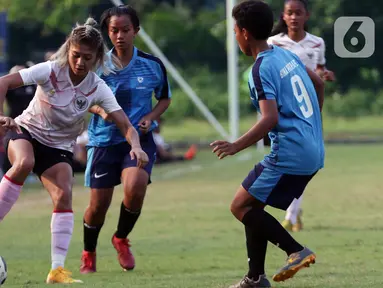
(162,91)
(37,74)
(270,40)
(105,99)
(263,81)
(322,50)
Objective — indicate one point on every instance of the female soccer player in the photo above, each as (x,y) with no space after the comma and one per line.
(290,99)
(67,88)
(109,163)
(291,34)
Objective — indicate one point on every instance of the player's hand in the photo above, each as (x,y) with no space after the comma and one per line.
(101,112)
(140,155)
(7,123)
(104,115)
(144,125)
(328,75)
(223,148)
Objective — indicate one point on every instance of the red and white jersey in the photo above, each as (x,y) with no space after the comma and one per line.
(311,49)
(55,116)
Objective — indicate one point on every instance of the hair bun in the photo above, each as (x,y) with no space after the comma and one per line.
(91,22)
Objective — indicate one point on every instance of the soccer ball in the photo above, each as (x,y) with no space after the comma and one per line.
(3,271)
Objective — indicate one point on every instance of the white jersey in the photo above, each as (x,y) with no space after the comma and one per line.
(55,116)
(311,49)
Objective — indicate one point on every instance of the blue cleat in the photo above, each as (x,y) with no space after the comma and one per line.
(295,262)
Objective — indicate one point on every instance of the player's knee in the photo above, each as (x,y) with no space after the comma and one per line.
(24,165)
(136,187)
(235,209)
(62,198)
(99,208)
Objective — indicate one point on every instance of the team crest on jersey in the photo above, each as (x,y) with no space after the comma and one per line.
(51,92)
(140,81)
(310,55)
(81,103)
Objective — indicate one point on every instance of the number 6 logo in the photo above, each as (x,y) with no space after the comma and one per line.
(354,37)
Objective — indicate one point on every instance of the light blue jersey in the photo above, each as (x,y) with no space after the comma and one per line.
(133,87)
(296,141)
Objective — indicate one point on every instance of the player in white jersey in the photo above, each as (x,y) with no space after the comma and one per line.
(291,34)
(67,88)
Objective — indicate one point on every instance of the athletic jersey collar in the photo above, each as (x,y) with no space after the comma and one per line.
(131,63)
(307,35)
(263,53)
(67,74)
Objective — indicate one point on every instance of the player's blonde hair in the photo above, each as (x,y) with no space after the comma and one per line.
(89,35)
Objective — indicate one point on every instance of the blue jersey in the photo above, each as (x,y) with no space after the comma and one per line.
(133,87)
(296,141)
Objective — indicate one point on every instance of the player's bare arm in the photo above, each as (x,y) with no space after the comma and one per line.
(7,82)
(146,121)
(325,74)
(100,111)
(319,86)
(122,121)
(269,111)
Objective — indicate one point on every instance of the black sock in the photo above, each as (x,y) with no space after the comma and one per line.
(267,225)
(256,244)
(278,235)
(126,221)
(91,236)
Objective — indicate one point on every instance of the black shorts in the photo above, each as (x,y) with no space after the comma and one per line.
(275,188)
(45,156)
(105,164)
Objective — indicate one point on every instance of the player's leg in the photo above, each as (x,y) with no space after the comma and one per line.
(262,187)
(287,188)
(58,180)
(293,221)
(256,242)
(18,164)
(94,219)
(135,181)
(101,175)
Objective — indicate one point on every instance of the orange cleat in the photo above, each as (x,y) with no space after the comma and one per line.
(125,256)
(88,262)
(192,151)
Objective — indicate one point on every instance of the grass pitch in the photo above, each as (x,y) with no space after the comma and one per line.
(187,237)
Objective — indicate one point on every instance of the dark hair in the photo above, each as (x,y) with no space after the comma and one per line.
(281,26)
(254,16)
(119,11)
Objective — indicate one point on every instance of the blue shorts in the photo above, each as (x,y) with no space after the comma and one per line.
(275,188)
(105,164)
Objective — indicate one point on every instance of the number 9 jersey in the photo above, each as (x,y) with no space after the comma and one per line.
(297,140)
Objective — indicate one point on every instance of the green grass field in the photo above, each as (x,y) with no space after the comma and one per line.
(334,128)
(187,237)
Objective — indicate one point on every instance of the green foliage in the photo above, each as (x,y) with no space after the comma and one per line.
(193,37)
(355,103)
(189,44)
(54,14)
(212,89)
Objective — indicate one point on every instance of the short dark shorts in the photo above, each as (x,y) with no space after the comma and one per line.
(105,164)
(275,188)
(45,156)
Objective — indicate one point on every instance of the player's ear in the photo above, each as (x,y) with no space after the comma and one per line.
(283,16)
(245,34)
(136,30)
